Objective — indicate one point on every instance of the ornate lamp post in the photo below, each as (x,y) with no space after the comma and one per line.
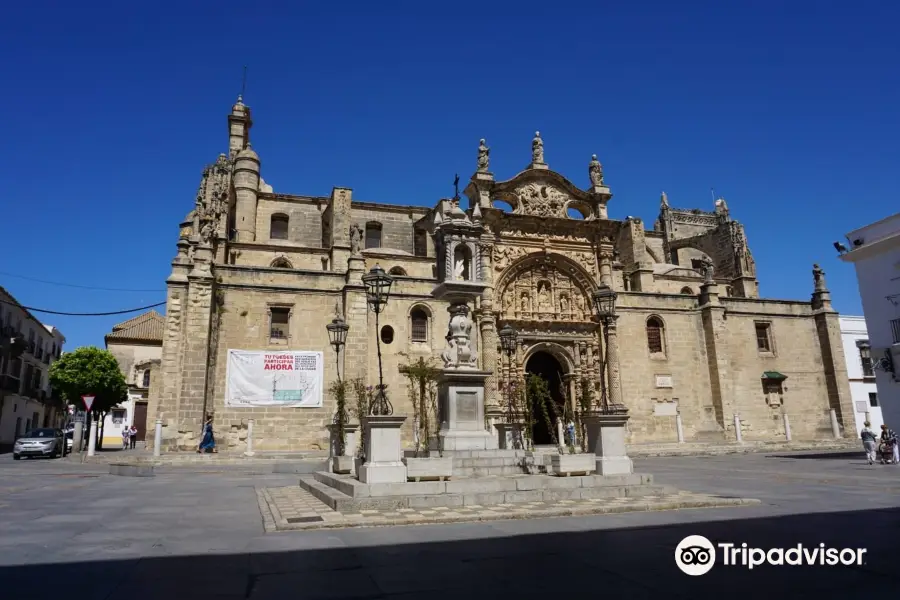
(378,290)
(337,337)
(605,306)
(606,431)
(509,339)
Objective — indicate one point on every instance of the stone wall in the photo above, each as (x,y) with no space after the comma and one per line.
(305,220)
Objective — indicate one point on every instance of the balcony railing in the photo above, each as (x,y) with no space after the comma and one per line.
(895,330)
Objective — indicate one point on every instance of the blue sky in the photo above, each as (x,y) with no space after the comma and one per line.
(788,109)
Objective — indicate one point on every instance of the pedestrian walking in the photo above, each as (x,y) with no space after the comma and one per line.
(132,433)
(868,440)
(126,438)
(208,441)
(889,437)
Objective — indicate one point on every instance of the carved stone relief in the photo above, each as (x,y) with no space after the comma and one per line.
(544,293)
(506,255)
(542,200)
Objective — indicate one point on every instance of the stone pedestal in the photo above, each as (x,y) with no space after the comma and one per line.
(343,463)
(606,439)
(384,454)
(510,436)
(461,410)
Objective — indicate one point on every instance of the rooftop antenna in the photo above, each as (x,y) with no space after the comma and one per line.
(244,82)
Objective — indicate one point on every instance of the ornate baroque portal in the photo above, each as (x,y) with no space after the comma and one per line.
(546,297)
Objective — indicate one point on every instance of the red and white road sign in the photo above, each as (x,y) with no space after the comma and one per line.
(88,401)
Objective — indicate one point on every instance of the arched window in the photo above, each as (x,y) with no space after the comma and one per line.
(655,335)
(278,228)
(281,263)
(373,234)
(146,382)
(687,291)
(418,331)
(397,271)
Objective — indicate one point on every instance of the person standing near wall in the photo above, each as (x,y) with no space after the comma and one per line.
(868,440)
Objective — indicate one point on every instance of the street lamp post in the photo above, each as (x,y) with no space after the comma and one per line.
(337,337)
(378,290)
(509,339)
(605,306)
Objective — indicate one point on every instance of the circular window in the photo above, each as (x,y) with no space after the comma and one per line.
(387,334)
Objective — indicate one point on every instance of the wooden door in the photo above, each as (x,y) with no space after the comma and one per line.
(140,420)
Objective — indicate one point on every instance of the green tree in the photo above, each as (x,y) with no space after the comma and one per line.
(90,371)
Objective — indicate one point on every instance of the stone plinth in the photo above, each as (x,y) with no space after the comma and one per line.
(510,436)
(461,410)
(606,439)
(384,455)
(343,463)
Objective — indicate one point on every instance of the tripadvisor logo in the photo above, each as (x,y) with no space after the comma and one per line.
(696,555)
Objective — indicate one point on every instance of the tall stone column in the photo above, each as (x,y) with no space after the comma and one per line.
(489,362)
(614,390)
(195,364)
(828,330)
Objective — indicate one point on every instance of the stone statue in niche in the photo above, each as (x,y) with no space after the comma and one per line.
(544,296)
(207,232)
(537,149)
(356,236)
(525,302)
(595,170)
(459,269)
(484,154)
(564,304)
(579,304)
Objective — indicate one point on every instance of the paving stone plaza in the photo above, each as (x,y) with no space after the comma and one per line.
(213,531)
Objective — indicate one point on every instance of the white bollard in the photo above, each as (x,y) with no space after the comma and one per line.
(679,428)
(157,437)
(92,442)
(835,428)
(249,451)
(737,429)
(787,426)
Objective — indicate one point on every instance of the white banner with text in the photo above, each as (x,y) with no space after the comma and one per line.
(290,378)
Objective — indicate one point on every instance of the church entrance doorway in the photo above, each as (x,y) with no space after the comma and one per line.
(546,366)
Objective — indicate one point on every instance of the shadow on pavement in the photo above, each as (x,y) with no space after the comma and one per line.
(860,455)
(634,563)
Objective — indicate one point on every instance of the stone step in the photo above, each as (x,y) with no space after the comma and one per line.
(345,494)
(480,471)
(483,492)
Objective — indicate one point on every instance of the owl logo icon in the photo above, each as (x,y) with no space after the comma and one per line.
(695,555)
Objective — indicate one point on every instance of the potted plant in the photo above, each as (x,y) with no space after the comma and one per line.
(363,396)
(421,376)
(343,434)
(514,432)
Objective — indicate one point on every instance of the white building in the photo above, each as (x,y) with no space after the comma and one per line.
(860,372)
(26,399)
(875,252)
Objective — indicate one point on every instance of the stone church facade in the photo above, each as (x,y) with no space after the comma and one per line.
(259,270)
